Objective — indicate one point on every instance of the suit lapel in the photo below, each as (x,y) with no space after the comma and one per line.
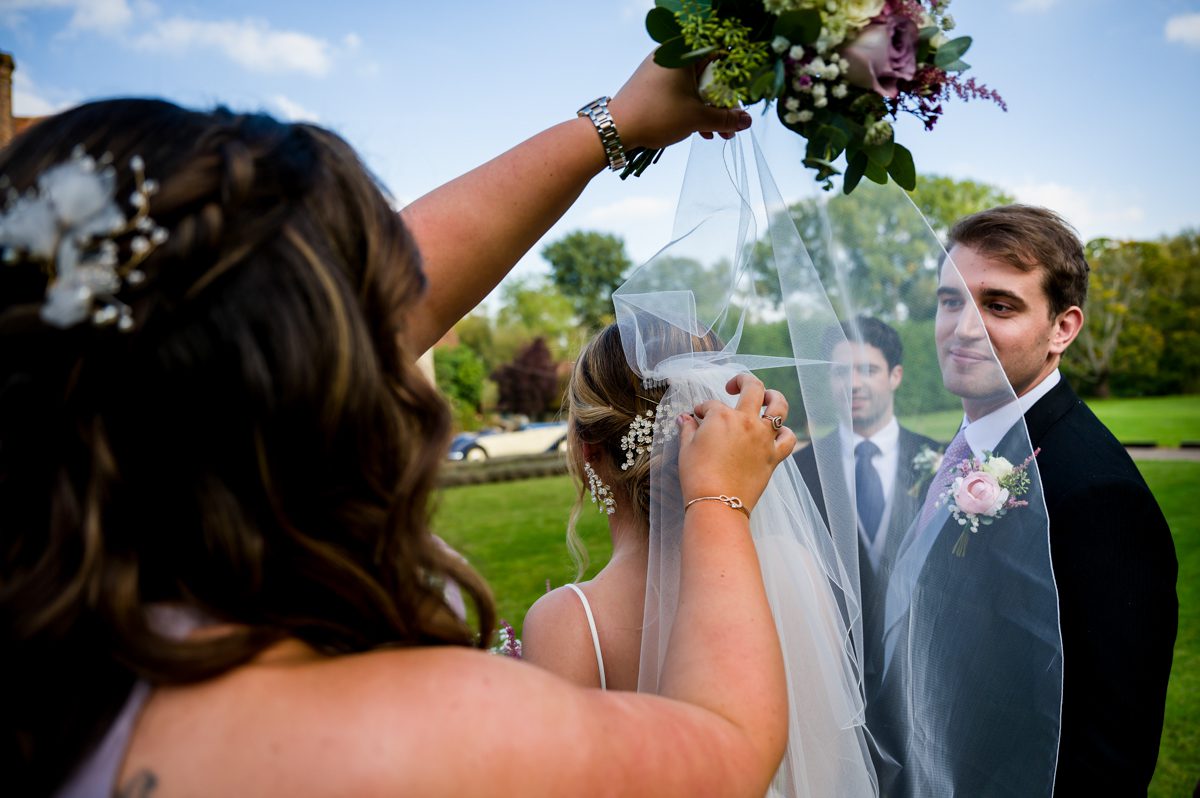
(1049,409)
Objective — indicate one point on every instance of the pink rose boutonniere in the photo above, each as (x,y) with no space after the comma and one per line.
(984,490)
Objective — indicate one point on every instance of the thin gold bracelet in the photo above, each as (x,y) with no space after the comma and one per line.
(731,501)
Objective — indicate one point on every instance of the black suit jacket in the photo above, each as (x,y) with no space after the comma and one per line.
(1114,574)
(905,507)
(1114,562)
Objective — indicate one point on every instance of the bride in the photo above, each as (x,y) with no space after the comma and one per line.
(681,323)
(722,299)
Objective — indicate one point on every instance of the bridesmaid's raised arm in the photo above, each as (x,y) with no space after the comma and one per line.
(473,230)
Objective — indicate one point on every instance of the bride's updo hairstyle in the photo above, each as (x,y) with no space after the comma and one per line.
(260,447)
(603,398)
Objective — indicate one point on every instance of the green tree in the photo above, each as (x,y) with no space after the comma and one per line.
(945,200)
(475,332)
(586,267)
(874,254)
(532,308)
(1115,329)
(459,374)
(1176,300)
(1142,319)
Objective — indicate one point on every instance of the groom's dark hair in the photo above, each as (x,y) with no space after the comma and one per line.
(1029,238)
(867,330)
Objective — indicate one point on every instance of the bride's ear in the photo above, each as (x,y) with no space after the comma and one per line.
(589,451)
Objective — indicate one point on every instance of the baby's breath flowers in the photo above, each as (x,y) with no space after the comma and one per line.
(841,70)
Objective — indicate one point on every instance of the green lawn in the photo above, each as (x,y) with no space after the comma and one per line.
(1165,420)
(1174,484)
(513,532)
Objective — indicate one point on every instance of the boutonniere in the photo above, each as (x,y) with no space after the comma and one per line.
(983,490)
(925,465)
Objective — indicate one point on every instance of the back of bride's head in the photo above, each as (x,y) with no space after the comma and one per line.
(604,398)
(233,422)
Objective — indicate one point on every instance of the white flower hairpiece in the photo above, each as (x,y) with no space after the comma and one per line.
(659,421)
(69,223)
(639,438)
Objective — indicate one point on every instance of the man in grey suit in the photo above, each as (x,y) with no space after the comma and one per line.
(884,470)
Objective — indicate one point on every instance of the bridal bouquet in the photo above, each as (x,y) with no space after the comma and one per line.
(984,490)
(839,69)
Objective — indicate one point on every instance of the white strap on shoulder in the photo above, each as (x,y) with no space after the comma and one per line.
(587,609)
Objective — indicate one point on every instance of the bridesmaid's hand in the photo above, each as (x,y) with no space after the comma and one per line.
(658,106)
(734,450)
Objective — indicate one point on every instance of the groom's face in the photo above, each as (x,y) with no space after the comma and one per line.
(993,301)
(862,373)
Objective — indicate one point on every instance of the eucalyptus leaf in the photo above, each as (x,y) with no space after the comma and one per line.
(876,173)
(825,169)
(958,66)
(670,53)
(671,5)
(881,154)
(662,25)
(902,169)
(928,33)
(951,51)
(763,84)
(695,55)
(799,27)
(856,167)
(853,130)
(836,137)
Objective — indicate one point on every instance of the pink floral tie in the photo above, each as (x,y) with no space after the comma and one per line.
(956,452)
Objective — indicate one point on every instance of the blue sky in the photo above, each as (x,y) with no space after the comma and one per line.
(1102,119)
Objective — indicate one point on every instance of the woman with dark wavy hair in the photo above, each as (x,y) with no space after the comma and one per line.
(216,458)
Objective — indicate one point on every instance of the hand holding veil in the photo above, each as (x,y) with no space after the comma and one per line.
(913,693)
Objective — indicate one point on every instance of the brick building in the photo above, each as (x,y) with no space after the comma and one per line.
(10,125)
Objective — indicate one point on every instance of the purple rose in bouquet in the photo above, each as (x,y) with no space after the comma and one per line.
(884,53)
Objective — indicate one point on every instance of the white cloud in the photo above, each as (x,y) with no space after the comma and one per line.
(293,111)
(1184,28)
(1093,213)
(351,41)
(251,43)
(1034,6)
(630,209)
(29,100)
(101,15)
(106,16)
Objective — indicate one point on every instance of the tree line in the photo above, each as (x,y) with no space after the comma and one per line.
(1141,338)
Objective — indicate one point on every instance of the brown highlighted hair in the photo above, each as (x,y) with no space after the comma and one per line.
(261,448)
(603,398)
(1029,238)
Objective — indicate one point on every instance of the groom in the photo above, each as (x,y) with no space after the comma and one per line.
(880,456)
(1112,555)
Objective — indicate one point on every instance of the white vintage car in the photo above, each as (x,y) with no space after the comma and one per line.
(536,438)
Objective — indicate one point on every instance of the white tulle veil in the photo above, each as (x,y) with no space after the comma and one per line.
(878,685)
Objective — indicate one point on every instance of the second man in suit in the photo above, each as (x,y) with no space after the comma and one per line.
(880,458)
